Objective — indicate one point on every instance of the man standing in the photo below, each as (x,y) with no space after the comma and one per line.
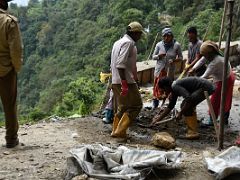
(124,78)
(166,53)
(10,64)
(194,51)
(192,90)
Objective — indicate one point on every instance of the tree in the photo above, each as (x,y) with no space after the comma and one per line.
(67,43)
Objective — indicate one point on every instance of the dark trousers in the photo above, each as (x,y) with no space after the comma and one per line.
(131,103)
(189,105)
(8,94)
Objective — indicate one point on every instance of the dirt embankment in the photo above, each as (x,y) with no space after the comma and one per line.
(45,146)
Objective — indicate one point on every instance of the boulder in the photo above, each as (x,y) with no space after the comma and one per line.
(164,140)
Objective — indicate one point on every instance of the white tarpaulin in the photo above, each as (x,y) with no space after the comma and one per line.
(122,163)
(226,163)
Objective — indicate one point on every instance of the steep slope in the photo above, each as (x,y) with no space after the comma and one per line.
(67,43)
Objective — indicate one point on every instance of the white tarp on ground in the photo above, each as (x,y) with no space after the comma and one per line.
(122,163)
(226,163)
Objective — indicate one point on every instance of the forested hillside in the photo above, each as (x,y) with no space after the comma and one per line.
(67,43)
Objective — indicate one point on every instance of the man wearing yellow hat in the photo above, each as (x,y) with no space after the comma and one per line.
(10,64)
(124,78)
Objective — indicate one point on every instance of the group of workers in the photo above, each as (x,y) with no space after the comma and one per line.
(205,60)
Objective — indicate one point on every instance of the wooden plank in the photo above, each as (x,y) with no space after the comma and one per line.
(146,68)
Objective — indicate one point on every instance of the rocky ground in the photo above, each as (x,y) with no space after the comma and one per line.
(45,146)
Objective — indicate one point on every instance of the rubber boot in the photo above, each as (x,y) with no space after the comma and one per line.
(115,125)
(121,130)
(155,103)
(108,116)
(192,132)
(207,123)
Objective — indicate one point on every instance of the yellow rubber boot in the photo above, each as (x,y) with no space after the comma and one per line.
(115,125)
(121,130)
(192,126)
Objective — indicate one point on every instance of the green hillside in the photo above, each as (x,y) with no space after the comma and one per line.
(67,43)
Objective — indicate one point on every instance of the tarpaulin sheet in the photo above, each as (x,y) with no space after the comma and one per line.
(104,162)
(225,164)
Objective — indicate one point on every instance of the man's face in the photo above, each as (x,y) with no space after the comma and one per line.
(167,38)
(192,37)
(167,90)
(3,5)
(138,36)
(209,55)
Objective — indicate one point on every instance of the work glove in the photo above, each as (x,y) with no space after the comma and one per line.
(124,88)
(187,67)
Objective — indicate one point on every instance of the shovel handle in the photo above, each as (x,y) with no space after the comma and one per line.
(165,121)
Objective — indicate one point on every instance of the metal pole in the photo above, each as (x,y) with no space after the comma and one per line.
(154,43)
(222,24)
(224,79)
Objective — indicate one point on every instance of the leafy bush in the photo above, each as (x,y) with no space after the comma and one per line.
(79,97)
(68,39)
(36,114)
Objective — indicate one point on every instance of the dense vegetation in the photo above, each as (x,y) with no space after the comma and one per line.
(67,43)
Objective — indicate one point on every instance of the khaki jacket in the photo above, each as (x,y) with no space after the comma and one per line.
(10,44)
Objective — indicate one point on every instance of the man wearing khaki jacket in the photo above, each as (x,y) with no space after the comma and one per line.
(10,64)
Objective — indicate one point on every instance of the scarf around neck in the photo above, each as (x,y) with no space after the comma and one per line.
(167,46)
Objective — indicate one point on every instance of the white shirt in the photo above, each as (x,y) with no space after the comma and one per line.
(215,69)
(173,53)
(124,56)
(193,50)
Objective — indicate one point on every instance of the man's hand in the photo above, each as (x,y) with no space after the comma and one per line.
(161,115)
(187,67)
(179,116)
(155,119)
(171,61)
(124,88)
(160,56)
(191,72)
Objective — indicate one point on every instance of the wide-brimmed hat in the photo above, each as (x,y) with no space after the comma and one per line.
(209,47)
(135,27)
(167,31)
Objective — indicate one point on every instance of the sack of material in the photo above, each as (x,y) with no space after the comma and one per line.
(225,164)
(164,140)
(104,162)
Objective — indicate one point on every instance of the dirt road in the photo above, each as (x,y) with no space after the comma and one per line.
(46,147)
